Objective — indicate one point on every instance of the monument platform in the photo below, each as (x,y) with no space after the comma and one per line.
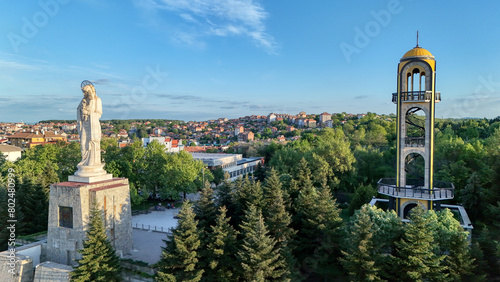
(69,211)
(90,179)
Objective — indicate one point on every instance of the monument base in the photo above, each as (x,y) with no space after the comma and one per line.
(90,174)
(90,179)
(69,214)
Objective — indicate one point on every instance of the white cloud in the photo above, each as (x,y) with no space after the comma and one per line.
(10,65)
(216,18)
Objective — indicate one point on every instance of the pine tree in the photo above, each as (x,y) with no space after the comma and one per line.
(479,262)
(205,212)
(414,254)
(488,246)
(472,197)
(35,204)
(246,194)
(359,256)
(317,221)
(99,261)
(222,247)
(179,260)
(278,221)
(362,195)
(277,218)
(258,257)
(205,209)
(224,193)
(460,262)
(328,222)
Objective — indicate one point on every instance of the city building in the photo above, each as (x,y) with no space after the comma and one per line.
(11,153)
(31,139)
(171,145)
(324,117)
(247,136)
(234,164)
(414,184)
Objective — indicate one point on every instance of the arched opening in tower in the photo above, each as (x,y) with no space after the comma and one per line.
(415,127)
(415,81)
(407,209)
(415,170)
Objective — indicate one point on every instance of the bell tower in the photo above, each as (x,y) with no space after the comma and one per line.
(415,100)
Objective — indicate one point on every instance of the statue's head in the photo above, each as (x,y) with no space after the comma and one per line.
(88,89)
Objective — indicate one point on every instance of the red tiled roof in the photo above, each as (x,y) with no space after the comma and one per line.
(195,149)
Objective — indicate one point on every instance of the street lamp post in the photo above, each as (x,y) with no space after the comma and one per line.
(203,172)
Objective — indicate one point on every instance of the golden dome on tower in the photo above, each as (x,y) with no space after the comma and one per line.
(418,52)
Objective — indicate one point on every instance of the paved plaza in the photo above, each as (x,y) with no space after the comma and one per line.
(147,246)
(161,220)
(148,243)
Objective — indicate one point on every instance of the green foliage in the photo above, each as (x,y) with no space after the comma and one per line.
(181,172)
(222,247)
(359,256)
(327,153)
(135,197)
(414,256)
(362,195)
(179,261)
(258,257)
(318,223)
(218,175)
(488,243)
(99,261)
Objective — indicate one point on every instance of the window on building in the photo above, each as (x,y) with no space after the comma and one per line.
(66,217)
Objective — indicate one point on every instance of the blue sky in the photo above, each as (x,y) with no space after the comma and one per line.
(199,60)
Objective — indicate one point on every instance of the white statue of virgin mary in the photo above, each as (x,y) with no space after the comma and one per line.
(89,128)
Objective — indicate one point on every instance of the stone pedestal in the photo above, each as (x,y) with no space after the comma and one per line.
(90,174)
(69,210)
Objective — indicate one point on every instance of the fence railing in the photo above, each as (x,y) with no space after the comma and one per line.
(416,96)
(149,227)
(415,141)
(444,192)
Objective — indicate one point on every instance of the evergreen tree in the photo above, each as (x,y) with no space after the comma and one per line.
(33,200)
(414,254)
(317,221)
(387,230)
(277,218)
(278,221)
(246,194)
(222,247)
(99,261)
(328,222)
(479,264)
(459,261)
(224,193)
(362,195)
(488,246)
(205,209)
(258,257)
(179,260)
(359,255)
(205,213)
(472,197)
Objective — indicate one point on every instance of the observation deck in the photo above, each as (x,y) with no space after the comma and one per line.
(415,189)
(416,96)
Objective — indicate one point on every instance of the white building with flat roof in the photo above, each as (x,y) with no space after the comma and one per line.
(234,164)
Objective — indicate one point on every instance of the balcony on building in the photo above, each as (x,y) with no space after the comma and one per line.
(416,96)
(415,189)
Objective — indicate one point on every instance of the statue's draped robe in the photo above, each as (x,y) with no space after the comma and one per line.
(90,131)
